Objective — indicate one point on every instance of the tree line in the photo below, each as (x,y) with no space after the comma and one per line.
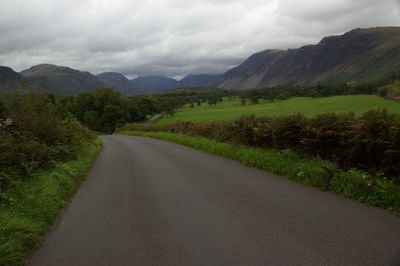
(106,109)
(283,92)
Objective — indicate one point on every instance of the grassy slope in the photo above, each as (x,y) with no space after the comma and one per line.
(311,171)
(26,214)
(308,106)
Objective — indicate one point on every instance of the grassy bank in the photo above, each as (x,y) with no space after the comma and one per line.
(312,171)
(231,108)
(28,212)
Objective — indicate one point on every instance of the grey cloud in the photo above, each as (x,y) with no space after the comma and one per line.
(172,37)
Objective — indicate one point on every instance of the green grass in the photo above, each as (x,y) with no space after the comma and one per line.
(312,171)
(28,212)
(230,108)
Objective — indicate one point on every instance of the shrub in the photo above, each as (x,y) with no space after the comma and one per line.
(34,136)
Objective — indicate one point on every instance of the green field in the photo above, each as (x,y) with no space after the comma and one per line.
(230,108)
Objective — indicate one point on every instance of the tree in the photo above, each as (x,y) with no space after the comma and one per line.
(254,99)
(85,101)
(212,100)
(282,96)
(90,119)
(313,93)
(2,110)
(104,97)
(383,91)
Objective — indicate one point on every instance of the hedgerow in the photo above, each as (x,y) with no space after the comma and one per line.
(370,141)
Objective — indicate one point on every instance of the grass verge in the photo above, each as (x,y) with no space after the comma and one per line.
(28,212)
(313,171)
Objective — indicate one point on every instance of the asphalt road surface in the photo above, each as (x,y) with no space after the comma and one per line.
(154,119)
(151,202)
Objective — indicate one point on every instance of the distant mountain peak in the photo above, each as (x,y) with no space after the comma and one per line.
(11,81)
(119,82)
(61,80)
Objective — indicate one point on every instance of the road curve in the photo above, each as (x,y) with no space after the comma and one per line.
(151,202)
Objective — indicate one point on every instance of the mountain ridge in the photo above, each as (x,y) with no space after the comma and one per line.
(61,80)
(359,55)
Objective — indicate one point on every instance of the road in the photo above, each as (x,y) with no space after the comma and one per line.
(151,202)
(154,119)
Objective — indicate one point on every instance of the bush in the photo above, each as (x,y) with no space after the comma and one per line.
(34,136)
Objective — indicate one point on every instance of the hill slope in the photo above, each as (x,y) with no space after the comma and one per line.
(119,82)
(200,80)
(61,80)
(155,83)
(359,55)
(11,81)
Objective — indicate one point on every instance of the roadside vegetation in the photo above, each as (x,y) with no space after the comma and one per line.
(354,155)
(370,141)
(376,190)
(44,154)
(28,211)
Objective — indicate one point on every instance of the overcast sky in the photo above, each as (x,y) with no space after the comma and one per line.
(172,37)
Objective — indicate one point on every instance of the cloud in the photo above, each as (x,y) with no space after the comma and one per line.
(172,37)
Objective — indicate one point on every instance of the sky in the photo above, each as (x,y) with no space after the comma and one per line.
(172,37)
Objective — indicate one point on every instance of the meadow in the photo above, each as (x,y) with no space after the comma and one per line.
(231,107)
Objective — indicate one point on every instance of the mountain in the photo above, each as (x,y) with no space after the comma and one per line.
(61,80)
(161,83)
(11,81)
(120,83)
(360,55)
(201,80)
(155,83)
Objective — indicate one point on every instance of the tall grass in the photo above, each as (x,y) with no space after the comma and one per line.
(27,212)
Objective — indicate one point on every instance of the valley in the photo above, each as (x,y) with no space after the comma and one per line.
(321,123)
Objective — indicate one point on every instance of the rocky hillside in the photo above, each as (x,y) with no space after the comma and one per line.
(11,81)
(61,80)
(119,82)
(359,55)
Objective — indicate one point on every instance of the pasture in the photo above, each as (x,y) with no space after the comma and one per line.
(231,107)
